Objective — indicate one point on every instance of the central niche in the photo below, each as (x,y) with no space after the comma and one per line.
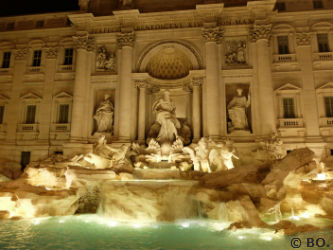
(169,63)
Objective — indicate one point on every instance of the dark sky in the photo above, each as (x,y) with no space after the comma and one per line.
(21,7)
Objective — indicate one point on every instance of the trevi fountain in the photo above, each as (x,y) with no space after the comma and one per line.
(262,197)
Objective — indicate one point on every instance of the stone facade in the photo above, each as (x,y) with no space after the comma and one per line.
(61,67)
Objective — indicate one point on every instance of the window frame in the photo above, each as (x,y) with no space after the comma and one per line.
(6,63)
(37,60)
(68,59)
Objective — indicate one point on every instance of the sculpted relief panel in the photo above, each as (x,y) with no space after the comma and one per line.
(105,60)
(235,52)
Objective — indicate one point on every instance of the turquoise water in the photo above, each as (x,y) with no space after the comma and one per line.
(94,232)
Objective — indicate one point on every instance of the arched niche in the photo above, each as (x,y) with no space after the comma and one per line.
(180,57)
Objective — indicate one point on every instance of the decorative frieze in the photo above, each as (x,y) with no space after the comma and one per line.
(303,39)
(84,42)
(212,34)
(259,32)
(51,52)
(21,54)
(126,39)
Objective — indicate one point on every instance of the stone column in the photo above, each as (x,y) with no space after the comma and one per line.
(141,85)
(125,42)
(196,108)
(261,36)
(212,36)
(46,105)
(13,112)
(82,44)
(308,95)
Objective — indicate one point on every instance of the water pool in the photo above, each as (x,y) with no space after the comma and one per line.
(94,232)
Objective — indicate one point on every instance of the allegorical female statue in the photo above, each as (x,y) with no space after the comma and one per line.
(104,115)
(237,110)
(165,111)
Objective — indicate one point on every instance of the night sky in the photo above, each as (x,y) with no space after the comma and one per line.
(21,7)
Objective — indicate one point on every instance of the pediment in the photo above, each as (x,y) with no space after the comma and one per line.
(31,96)
(328,85)
(3,98)
(63,95)
(288,87)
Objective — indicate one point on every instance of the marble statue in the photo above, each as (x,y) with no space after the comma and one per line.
(104,115)
(199,156)
(165,111)
(237,111)
(105,60)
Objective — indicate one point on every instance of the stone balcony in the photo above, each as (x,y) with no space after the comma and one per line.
(60,131)
(64,68)
(27,127)
(323,56)
(285,58)
(326,122)
(291,123)
(34,69)
(27,131)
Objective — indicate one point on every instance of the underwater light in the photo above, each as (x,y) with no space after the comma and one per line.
(61,221)
(240,237)
(185,224)
(112,223)
(137,225)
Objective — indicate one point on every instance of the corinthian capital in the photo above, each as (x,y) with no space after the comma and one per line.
(262,31)
(84,42)
(141,84)
(212,34)
(197,81)
(303,39)
(126,39)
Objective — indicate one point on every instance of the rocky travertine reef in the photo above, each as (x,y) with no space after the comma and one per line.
(243,196)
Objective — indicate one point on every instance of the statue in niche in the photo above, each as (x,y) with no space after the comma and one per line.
(105,60)
(235,52)
(104,115)
(165,111)
(237,111)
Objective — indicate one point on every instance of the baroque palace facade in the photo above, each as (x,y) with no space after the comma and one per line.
(242,70)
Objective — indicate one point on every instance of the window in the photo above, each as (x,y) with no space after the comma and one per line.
(288,108)
(323,43)
(283,44)
(63,113)
(280,6)
(31,113)
(6,60)
(37,58)
(25,159)
(40,24)
(68,56)
(2,110)
(317,4)
(329,106)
